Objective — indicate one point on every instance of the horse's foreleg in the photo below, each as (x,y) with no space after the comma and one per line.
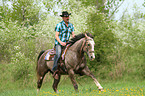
(56,81)
(71,75)
(87,72)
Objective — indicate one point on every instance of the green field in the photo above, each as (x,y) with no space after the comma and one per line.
(86,88)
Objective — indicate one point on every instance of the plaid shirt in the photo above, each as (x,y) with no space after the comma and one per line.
(64,31)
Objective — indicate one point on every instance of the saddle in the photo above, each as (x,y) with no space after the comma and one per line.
(50,57)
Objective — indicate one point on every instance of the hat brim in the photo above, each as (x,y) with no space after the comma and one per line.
(66,15)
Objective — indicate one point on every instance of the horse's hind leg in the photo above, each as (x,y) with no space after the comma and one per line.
(87,72)
(56,81)
(40,78)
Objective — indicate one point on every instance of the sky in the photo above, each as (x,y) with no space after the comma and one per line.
(129,4)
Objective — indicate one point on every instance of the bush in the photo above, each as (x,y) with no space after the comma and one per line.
(22,67)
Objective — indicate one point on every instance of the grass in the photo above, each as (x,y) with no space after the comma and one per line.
(110,89)
(86,88)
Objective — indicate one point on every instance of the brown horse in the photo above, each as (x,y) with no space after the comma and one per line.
(75,62)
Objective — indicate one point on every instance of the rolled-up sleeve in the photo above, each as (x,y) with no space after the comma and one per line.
(57,28)
(72,29)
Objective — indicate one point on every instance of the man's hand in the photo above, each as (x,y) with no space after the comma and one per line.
(73,34)
(62,43)
(57,38)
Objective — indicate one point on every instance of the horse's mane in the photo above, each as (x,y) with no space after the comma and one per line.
(78,37)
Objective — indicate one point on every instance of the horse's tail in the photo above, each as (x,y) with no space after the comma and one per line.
(39,57)
(40,54)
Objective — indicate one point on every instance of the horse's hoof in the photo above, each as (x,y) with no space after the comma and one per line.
(38,90)
(77,91)
(56,91)
(101,89)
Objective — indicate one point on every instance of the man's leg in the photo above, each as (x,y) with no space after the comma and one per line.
(56,57)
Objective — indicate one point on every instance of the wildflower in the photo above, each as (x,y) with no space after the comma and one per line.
(117,90)
(141,89)
(104,90)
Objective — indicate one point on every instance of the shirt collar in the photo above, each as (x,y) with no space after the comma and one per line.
(64,22)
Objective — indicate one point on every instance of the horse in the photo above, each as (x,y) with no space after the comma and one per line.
(74,62)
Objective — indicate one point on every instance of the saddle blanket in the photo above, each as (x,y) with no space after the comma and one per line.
(50,55)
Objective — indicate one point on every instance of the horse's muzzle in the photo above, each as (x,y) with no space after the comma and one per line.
(92,57)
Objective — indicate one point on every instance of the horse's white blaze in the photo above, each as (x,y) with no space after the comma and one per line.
(92,44)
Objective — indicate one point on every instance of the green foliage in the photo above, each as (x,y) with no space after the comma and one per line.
(105,39)
(8,38)
(5,12)
(21,11)
(21,66)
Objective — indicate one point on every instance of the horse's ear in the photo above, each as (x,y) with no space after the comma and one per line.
(86,35)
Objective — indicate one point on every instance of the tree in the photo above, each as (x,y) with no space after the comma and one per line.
(26,11)
(105,6)
(5,11)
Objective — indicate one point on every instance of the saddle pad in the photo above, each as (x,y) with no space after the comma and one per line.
(49,55)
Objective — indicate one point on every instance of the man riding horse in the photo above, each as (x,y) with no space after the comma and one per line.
(62,35)
(75,60)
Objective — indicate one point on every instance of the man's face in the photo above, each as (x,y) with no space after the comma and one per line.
(66,19)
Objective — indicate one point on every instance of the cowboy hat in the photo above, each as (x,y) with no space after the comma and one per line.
(65,14)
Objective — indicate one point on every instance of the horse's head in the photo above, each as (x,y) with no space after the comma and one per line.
(89,47)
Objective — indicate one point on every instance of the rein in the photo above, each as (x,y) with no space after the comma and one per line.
(84,42)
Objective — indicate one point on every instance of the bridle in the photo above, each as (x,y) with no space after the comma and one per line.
(88,47)
(84,45)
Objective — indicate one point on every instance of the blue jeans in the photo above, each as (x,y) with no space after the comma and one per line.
(58,49)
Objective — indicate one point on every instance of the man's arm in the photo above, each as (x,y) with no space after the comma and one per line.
(57,38)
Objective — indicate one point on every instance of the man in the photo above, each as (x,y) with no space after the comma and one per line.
(62,35)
